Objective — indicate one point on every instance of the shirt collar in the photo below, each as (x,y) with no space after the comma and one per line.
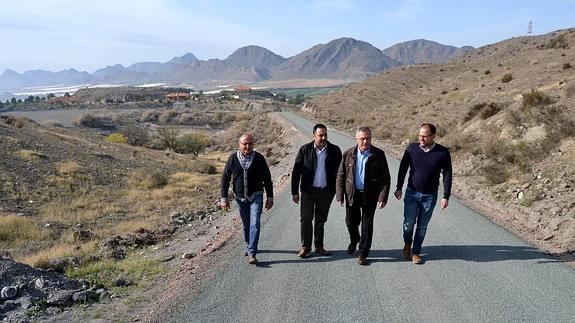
(319,149)
(427,149)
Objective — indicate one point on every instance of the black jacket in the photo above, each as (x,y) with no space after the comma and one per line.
(305,165)
(259,177)
(377,179)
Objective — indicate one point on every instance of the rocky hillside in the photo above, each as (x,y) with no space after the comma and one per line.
(423,51)
(507,112)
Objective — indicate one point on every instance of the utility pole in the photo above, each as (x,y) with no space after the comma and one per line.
(530,27)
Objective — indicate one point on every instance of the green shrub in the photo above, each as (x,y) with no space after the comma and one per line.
(117,138)
(193,143)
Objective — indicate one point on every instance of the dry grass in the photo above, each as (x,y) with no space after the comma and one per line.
(41,258)
(17,230)
(26,154)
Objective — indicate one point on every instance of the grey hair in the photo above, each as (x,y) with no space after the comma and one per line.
(362,129)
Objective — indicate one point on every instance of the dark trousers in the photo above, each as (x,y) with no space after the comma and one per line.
(314,207)
(360,213)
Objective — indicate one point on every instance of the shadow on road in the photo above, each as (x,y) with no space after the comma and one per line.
(474,253)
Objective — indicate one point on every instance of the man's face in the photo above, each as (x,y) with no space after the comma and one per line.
(425,137)
(363,139)
(246,144)
(320,137)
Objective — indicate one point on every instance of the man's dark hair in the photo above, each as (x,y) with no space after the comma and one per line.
(319,126)
(429,126)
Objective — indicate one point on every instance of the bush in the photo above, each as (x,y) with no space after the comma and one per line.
(117,138)
(193,143)
(136,135)
(26,154)
(566,66)
(168,136)
(536,98)
(490,110)
(506,78)
(148,180)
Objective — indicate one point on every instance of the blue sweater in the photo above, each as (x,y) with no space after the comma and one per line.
(425,168)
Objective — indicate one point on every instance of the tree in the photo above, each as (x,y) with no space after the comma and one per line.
(50,96)
(193,143)
(13,101)
(168,136)
(280,97)
(66,95)
(136,135)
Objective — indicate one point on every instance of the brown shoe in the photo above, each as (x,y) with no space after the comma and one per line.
(362,260)
(351,248)
(252,260)
(407,251)
(321,251)
(303,252)
(416,259)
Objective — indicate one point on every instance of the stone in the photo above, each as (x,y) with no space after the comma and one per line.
(40,282)
(8,292)
(61,298)
(188,255)
(121,282)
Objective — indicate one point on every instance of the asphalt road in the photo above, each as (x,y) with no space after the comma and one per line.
(475,272)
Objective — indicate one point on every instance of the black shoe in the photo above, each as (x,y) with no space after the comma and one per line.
(321,251)
(351,248)
(362,260)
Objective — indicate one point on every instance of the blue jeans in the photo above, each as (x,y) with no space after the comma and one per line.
(250,212)
(418,208)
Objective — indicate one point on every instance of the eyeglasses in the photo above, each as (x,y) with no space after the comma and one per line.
(247,143)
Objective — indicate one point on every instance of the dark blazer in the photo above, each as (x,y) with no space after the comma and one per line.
(259,176)
(377,179)
(305,165)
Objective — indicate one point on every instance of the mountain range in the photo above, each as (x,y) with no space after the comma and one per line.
(344,59)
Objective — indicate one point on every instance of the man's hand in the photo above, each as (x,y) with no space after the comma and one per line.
(381,205)
(295,198)
(444,203)
(269,204)
(341,202)
(397,194)
(225,205)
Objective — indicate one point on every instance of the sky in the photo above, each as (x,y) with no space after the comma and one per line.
(86,35)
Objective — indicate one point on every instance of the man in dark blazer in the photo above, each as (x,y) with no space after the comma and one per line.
(363,181)
(314,171)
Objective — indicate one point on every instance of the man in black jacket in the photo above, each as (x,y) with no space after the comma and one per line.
(250,175)
(314,171)
(363,183)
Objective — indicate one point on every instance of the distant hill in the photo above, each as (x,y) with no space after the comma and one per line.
(341,60)
(256,56)
(423,51)
(344,58)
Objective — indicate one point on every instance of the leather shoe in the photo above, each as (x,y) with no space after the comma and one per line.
(321,251)
(351,248)
(362,260)
(252,260)
(416,259)
(303,252)
(407,251)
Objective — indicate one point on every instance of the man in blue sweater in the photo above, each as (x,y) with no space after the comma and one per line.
(426,160)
